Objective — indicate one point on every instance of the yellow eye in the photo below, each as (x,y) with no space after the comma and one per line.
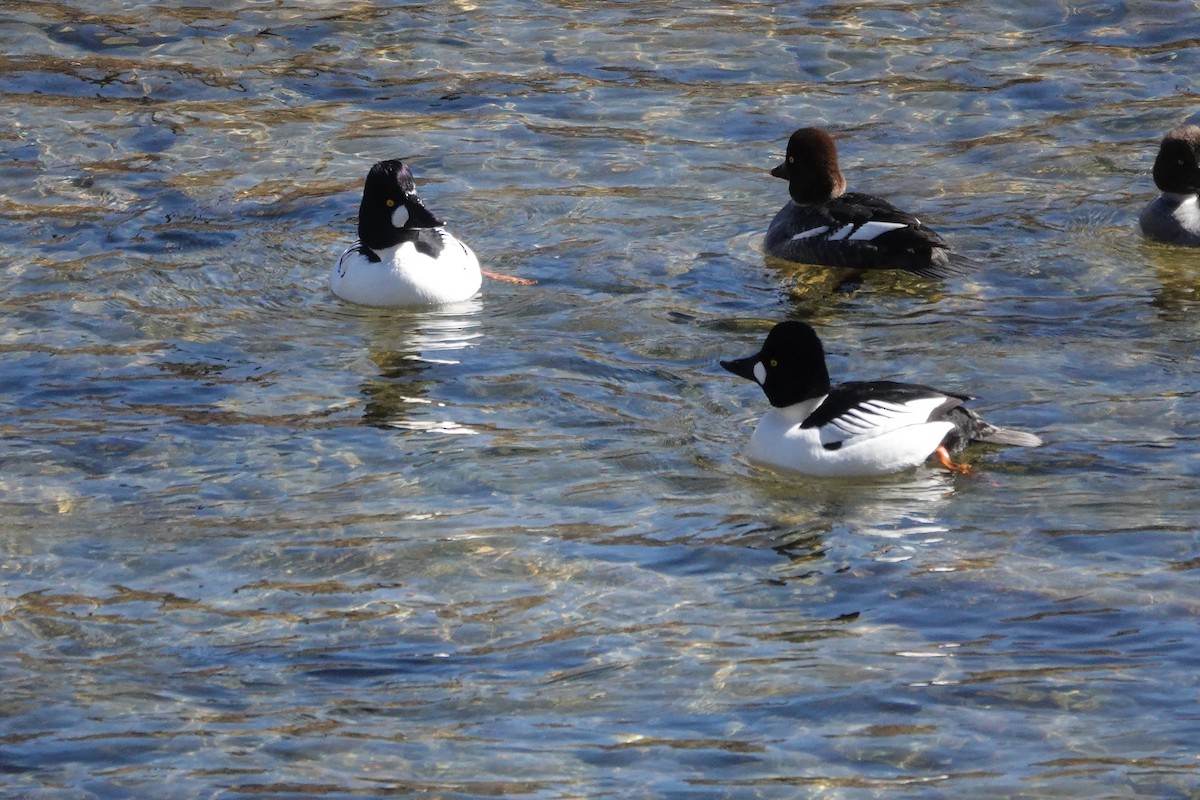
(791,159)
(390,202)
(774,363)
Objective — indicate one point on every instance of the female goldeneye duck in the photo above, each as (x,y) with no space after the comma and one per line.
(404,255)
(823,224)
(1174,216)
(855,429)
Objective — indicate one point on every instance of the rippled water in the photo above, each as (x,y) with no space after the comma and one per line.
(257,542)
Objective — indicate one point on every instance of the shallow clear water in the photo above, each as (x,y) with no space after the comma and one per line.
(257,542)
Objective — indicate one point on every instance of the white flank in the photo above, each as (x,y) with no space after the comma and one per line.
(780,441)
(841,233)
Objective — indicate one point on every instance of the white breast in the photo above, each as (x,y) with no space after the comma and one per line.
(1188,214)
(404,276)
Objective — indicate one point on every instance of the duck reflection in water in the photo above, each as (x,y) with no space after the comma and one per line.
(410,352)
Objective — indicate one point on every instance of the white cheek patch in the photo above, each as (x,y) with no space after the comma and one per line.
(808,234)
(760,373)
(841,233)
(872,229)
(400,216)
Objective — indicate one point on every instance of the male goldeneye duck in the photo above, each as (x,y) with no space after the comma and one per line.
(859,428)
(404,255)
(823,224)
(1174,216)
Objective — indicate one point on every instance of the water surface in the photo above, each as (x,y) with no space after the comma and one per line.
(258,542)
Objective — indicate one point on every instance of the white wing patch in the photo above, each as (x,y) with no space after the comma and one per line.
(872,229)
(855,233)
(811,232)
(877,417)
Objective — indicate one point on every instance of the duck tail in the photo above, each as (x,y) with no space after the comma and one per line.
(945,264)
(962,264)
(995,435)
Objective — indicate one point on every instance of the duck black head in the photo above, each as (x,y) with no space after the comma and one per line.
(790,367)
(390,206)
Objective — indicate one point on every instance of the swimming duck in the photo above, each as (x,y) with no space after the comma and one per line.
(1174,216)
(858,428)
(823,224)
(404,255)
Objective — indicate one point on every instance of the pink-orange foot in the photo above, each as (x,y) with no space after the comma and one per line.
(944,456)
(496,276)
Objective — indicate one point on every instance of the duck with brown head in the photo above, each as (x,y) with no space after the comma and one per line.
(824,224)
(1174,216)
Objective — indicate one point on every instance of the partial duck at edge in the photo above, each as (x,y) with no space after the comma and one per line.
(1174,216)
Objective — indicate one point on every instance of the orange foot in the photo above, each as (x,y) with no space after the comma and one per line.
(496,276)
(944,456)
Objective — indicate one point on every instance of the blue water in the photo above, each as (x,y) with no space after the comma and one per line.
(258,542)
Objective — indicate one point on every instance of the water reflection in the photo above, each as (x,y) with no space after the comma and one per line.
(896,506)
(1177,270)
(409,348)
